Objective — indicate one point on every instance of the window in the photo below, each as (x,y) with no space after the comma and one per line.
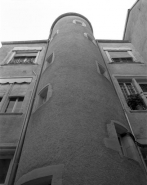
(23,58)
(101,69)
(121,140)
(6,156)
(49,60)
(55,34)
(12,94)
(135,92)
(45,94)
(46,175)
(120,55)
(4,166)
(23,55)
(79,22)
(14,104)
(90,38)
(143,149)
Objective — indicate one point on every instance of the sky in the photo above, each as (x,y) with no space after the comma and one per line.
(31,19)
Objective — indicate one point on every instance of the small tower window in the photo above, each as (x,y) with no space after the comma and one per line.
(55,34)
(79,22)
(90,38)
(44,95)
(101,70)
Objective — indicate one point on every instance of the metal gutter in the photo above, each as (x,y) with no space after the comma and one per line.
(17,155)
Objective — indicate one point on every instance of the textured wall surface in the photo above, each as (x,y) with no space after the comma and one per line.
(70,127)
(11,124)
(137,28)
(138,119)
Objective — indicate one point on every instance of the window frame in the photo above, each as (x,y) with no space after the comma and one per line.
(47,64)
(121,49)
(14,51)
(15,104)
(48,95)
(134,80)
(7,94)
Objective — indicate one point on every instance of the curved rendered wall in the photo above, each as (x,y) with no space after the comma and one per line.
(70,127)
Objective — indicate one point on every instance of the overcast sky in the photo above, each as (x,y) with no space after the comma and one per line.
(32,19)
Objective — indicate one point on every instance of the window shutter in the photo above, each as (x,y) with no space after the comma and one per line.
(19,89)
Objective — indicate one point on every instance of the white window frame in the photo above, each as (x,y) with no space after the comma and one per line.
(22,49)
(129,50)
(76,21)
(5,96)
(134,80)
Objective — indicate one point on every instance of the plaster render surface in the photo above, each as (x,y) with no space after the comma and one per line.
(138,119)
(69,128)
(11,124)
(137,28)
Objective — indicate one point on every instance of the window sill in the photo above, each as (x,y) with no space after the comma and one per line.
(11,114)
(17,64)
(138,111)
(126,63)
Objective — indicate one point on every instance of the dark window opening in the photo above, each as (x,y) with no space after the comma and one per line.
(1,99)
(23,60)
(14,104)
(4,166)
(124,60)
(43,96)
(143,150)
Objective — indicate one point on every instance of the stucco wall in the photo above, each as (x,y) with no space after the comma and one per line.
(136,30)
(138,119)
(70,127)
(11,124)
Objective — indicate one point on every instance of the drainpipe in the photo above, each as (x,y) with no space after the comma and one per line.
(125,113)
(17,155)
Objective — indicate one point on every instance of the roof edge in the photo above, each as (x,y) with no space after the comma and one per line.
(24,42)
(70,14)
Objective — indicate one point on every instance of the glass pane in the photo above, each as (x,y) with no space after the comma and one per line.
(4,166)
(11,104)
(143,87)
(22,60)
(19,104)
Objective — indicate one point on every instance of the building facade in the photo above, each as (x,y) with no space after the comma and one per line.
(73,108)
